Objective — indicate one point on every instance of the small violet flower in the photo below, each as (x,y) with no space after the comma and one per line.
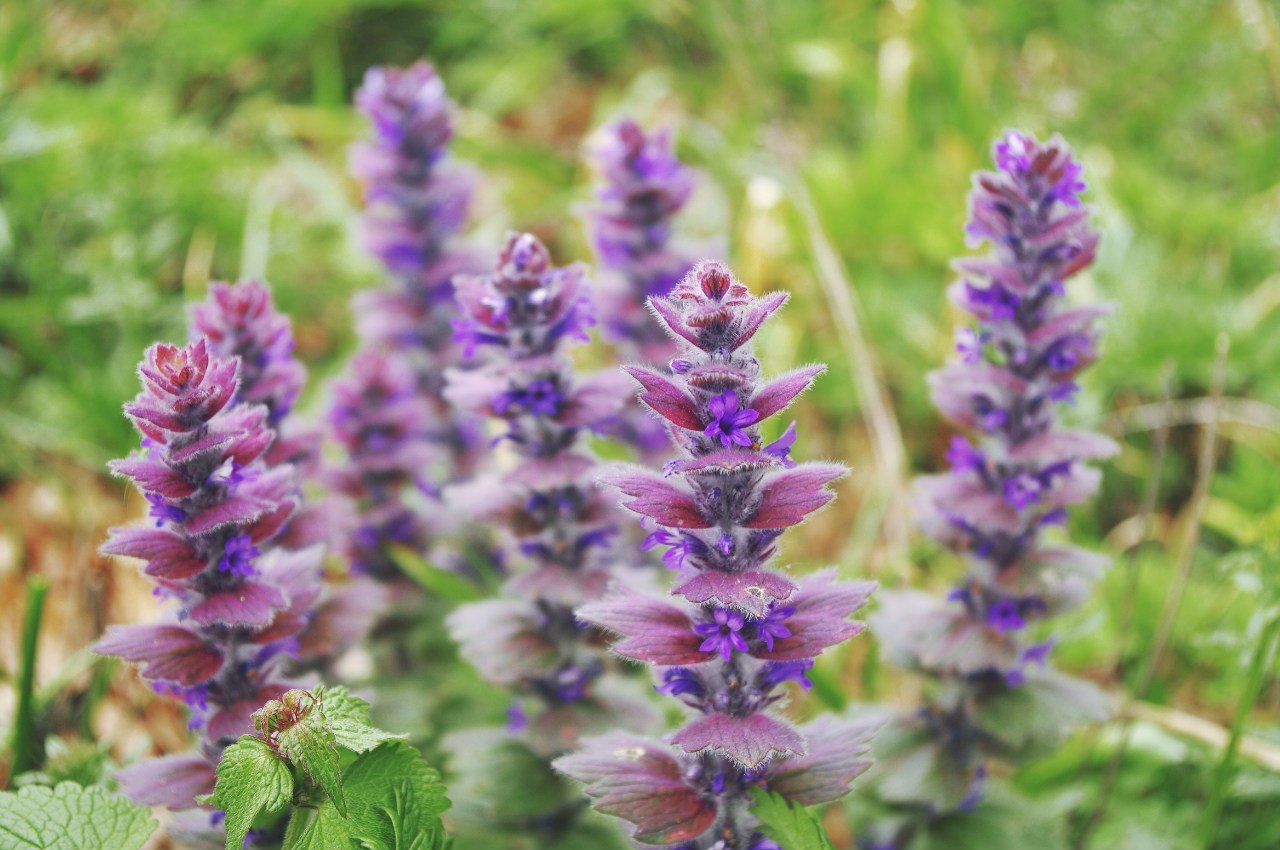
(723,634)
(728,420)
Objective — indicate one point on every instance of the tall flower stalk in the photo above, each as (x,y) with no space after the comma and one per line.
(519,320)
(240,320)
(738,630)
(993,695)
(218,506)
(415,203)
(642,188)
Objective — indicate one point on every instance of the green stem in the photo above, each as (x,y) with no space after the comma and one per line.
(98,686)
(22,745)
(1263,654)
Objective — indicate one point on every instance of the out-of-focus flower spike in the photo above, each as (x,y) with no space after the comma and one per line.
(1014,475)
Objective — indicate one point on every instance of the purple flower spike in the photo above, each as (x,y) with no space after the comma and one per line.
(378,418)
(1019,355)
(522,316)
(641,189)
(239,598)
(738,633)
(416,203)
(240,321)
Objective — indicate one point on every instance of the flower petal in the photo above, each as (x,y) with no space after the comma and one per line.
(167,652)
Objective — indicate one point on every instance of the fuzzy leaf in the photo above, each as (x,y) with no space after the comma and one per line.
(327,829)
(71,817)
(790,825)
(395,799)
(347,717)
(311,745)
(252,779)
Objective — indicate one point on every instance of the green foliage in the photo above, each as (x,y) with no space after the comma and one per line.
(437,581)
(252,780)
(150,146)
(23,740)
(347,717)
(71,817)
(385,798)
(310,745)
(790,824)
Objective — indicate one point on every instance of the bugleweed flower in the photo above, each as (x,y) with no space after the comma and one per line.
(216,507)
(239,320)
(518,319)
(642,189)
(1017,365)
(415,203)
(378,417)
(738,630)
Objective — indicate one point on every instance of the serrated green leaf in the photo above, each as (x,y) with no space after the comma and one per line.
(71,817)
(348,720)
(327,829)
(791,825)
(252,780)
(311,746)
(396,800)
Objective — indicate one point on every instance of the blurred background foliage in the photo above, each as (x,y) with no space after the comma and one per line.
(149,146)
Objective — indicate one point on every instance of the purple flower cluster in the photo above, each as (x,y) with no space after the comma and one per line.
(1007,486)
(377,416)
(389,413)
(641,190)
(240,321)
(415,202)
(739,630)
(519,318)
(217,507)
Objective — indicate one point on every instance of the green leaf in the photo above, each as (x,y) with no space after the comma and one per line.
(326,830)
(435,580)
(789,824)
(348,719)
(396,800)
(252,779)
(311,746)
(71,817)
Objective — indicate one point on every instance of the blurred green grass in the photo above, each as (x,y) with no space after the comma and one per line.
(147,147)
